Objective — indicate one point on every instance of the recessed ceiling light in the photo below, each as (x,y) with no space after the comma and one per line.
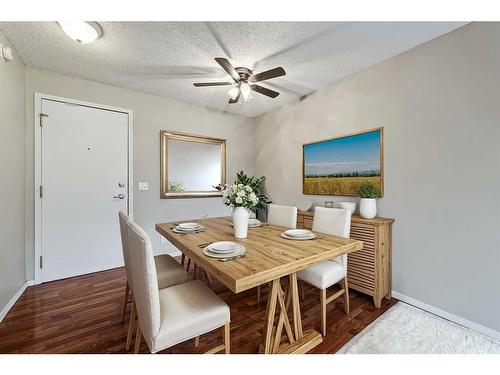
(81,31)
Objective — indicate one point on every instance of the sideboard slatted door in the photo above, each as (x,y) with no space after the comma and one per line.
(361,266)
(368,270)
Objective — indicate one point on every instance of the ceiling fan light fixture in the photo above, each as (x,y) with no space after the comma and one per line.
(81,31)
(241,76)
(245,91)
(233,92)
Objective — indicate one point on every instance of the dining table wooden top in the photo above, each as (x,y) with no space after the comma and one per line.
(268,256)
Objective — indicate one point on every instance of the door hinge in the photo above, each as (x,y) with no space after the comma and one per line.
(42,115)
(41,191)
(41,261)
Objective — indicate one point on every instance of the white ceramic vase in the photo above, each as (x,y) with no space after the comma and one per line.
(368,208)
(240,222)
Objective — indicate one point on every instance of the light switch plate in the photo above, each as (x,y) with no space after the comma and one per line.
(143,185)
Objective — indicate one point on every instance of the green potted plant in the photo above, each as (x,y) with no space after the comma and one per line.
(258,185)
(368,204)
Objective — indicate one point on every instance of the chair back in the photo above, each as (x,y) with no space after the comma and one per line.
(146,295)
(334,221)
(285,216)
(124,221)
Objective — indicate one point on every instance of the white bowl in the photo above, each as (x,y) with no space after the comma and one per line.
(350,206)
(304,205)
(253,222)
(188,226)
(222,247)
(299,233)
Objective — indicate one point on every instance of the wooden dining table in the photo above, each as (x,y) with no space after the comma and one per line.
(269,258)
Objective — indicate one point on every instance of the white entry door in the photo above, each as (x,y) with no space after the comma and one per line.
(84,180)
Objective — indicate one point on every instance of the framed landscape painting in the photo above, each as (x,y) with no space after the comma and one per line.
(339,165)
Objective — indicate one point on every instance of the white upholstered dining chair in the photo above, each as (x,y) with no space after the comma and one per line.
(328,273)
(168,270)
(285,216)
(175,314)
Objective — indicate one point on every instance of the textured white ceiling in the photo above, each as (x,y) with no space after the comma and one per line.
(165,58)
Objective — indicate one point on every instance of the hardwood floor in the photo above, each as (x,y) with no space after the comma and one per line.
(82,315)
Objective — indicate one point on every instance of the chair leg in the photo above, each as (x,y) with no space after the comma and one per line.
(345,286)
(130,326)
(125,302)
(183,259)
(196,341)
(138,337)
(195,271)
(258,294)
(227,338)
(188,265)
(323,311)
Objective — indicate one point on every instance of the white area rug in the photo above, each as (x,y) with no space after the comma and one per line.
(405,329)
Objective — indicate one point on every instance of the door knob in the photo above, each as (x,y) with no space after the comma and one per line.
(120,196)
(121,184)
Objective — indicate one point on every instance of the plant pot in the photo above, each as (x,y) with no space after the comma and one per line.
(368,208)
(240,222)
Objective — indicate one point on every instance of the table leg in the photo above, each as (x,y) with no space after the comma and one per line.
(297,320)
(303,341)
(270,312)
(282,321)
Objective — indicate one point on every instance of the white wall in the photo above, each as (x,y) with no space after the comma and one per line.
(151,113)
(12,172)
(440,107)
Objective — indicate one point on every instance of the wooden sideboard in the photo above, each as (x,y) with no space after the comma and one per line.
(368,270)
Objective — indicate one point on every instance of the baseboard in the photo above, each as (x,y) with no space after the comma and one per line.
(448,316)
(14,299)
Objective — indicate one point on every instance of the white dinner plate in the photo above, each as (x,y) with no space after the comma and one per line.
(183,231)
(179,230)
(239,250)
(311,237)
(222,247)
(298,233)
(188,226)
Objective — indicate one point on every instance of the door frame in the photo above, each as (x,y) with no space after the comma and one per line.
(38,165)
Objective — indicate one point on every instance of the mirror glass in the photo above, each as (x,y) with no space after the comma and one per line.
(191,165)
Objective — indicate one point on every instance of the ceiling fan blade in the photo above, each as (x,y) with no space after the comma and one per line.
(268,74)
(235,100)
(204,84)
(226,65)
(265,91)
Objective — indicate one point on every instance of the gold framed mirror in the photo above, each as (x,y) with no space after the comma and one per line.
(191,165)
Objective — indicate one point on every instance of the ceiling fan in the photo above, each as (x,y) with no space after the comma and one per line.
(244,81)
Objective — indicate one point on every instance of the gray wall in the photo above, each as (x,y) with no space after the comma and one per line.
(440,107)
(12,175)
(151,113)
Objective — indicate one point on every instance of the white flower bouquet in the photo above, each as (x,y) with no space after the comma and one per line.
(239,195)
